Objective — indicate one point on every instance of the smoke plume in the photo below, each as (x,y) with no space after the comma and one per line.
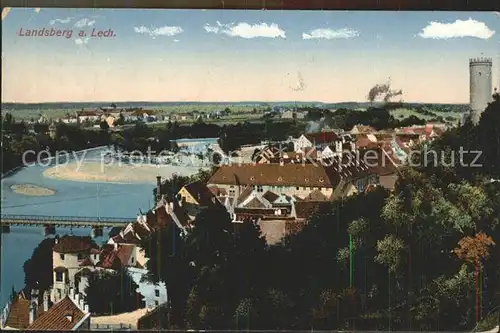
(383,92)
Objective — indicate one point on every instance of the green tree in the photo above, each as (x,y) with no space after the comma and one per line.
(111,293)
(38,269)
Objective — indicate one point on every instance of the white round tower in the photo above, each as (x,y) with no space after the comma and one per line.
(480,86)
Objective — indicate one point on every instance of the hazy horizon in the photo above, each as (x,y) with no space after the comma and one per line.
(219,56)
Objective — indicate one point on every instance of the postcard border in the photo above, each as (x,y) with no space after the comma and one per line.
(455,5)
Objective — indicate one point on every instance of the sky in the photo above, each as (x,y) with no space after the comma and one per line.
(239,55)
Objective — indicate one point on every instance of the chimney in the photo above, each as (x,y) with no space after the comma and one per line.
(46,301)
(86,308)
(158,189)
(115,246)
(56,239)
(77,298)
(34,296)
(32,315)
(72,293)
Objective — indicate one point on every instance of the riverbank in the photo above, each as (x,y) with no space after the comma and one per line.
(32,190)
(115,173)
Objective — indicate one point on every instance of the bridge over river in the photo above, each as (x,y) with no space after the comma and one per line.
(49,223)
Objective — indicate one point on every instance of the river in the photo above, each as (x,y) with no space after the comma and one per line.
(90,199)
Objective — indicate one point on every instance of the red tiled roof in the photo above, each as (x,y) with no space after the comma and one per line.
(109,258)
(19,313)
(275,175)
(73,244)
(322,137)
(124,253)
(56,318)
(304,209)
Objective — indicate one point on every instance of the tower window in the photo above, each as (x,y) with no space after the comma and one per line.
(480,73)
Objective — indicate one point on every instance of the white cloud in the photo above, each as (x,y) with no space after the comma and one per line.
(245,30)
(344,33)
(163,31)
(459,28)
(64,21)
(176,40)
(81,41)
(84,23)
(37,10)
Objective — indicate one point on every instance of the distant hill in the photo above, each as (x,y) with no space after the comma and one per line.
(79,105)
(90,105)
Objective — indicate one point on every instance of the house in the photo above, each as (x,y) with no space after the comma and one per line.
(196,193)
(88,116)
(362,129)
(152,294)
(300,115)
(183,116)
(70,314)
(302,142)
(69,120)
(145,115)
(68,253)
(288,114)
(110,120)
(289,179)
(318,140)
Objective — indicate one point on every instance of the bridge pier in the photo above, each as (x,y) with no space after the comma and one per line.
(49,229)
(5,229)
(96,232)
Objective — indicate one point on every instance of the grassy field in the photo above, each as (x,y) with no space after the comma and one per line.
(405,113)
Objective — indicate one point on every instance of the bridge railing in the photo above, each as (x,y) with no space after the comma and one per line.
(65,218)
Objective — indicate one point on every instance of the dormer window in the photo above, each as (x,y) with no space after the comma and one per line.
(321,179)
(280,179)
(252,178)
(307,180)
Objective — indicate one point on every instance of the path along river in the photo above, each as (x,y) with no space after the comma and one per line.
(71,198)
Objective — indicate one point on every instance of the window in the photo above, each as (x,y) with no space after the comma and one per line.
(59,276)
(157,293)
(260,189)
(132,260)
(297,188)
(157,303)
(79,256)
(61,256)
(320,188)
(304,188)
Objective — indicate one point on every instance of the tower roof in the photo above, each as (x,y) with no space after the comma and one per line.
(480,60)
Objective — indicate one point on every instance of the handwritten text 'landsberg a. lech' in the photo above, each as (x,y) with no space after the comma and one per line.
(65,33)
